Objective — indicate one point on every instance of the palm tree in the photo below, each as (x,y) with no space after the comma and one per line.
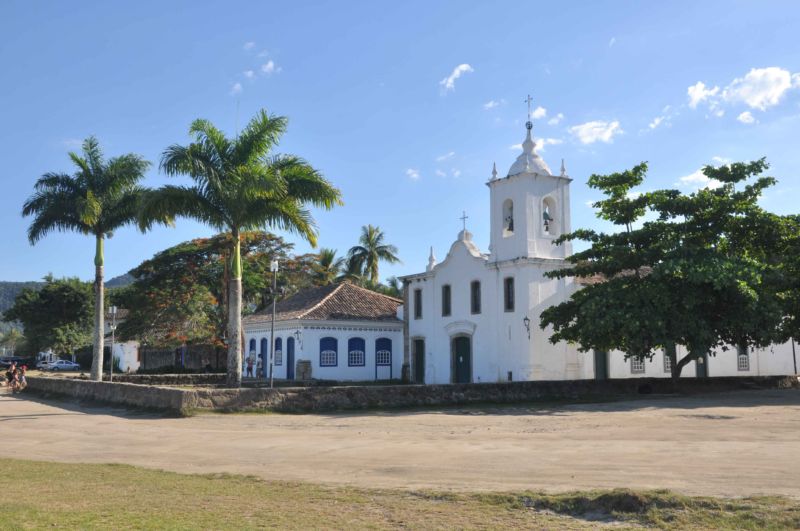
(329,267)
(371,251)
(101,197)
(238,186)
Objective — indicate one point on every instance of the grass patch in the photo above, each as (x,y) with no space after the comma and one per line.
(38,494)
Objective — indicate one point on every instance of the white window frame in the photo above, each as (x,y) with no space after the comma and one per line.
(742,360)
(667,363)
(383,358)
(635,364)
(327,358)
(356,358)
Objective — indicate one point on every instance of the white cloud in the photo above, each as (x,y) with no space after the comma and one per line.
(760,88)
(699,93)
(555,119)
(249,74)
(542,142)
(515,147)
(455,172)
(697,180)
(612,41)
(412,174)
(249,46)
(658,120)
(449,155)
(236,89)
(262,53)
(449,83)
(596,131)
(539,113)
(440,173)
(746,118)
(270,67)
(491,104)
(720,160)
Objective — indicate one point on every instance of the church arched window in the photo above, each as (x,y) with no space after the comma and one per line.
(356,356)
(508,217)
(549,217)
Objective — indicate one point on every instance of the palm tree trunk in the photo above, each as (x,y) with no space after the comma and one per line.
(235,316)
(99,324)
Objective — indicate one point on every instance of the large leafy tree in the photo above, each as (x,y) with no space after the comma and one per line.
(700,270)
(239,185)
(370,251)
(57,316)
(101,197)
(178,296)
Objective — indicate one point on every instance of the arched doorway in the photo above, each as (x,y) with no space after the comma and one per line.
(461,364)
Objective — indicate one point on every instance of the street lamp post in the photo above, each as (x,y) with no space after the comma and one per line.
(113,313)
(273,266)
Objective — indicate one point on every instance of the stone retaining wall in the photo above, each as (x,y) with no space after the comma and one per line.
(322,399)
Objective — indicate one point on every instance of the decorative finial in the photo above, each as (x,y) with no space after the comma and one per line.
(563,169)
(431,260)
(494,171)
(529,124)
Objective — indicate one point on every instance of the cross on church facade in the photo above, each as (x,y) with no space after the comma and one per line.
(464,217)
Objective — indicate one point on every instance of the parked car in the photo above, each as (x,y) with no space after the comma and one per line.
(63,365)
(43,364)
(8,360)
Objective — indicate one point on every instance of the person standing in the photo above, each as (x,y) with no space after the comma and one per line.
(250,367)
(259,366)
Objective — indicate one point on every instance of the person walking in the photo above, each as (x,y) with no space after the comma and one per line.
(250,367)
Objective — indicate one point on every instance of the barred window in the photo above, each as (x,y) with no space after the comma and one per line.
(355,352)
(446,300)
(278,351)
(417,304)
(383,351)
(637,366)
(475,297)
(328,356)
(667,362)
(508,294)
(742,359)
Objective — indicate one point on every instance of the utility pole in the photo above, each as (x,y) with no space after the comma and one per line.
(273,266)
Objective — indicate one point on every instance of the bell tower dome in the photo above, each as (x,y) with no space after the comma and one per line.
(529,208)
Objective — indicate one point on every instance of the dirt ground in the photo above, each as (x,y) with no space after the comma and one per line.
(732,444)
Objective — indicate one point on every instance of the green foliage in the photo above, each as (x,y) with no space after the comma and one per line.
(57,316)
(363,259)
(178,296)
(701,270)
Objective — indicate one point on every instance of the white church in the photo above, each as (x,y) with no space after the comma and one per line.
(474,316)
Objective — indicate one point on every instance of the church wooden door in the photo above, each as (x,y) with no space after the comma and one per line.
(600,365)
(462,360)
(419,361)
(290,358)
(701,366)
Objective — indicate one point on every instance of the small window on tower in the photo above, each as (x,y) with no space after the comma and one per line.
(508,217)
(549,216)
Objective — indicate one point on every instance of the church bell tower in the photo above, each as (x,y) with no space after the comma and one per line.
(529,207)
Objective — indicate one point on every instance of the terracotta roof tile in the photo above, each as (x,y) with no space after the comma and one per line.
(337,302)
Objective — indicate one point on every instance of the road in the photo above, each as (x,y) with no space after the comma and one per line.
(730,444)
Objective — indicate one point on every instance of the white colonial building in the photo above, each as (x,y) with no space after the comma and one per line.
(474,317)
(342,331)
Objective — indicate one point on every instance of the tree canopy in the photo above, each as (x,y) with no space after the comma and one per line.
(58,315)
(697,269)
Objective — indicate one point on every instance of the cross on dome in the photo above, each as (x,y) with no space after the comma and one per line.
(529,161)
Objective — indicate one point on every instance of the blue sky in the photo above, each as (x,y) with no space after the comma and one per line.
(365,87)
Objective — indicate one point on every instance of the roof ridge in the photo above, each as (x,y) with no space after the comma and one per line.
(321,302)
(362,288)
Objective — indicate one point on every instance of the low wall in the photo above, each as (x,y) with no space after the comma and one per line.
(171,379)
(321,399)
(125,394)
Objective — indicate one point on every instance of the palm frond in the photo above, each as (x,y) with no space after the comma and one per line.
(169,202)
(258,138)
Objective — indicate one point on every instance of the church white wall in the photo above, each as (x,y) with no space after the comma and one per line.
(500,341)
(774,360)
(308,348)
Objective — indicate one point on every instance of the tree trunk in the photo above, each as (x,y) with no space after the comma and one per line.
(99,314)
(235,317)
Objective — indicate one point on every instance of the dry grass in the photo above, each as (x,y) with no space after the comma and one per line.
(38,494)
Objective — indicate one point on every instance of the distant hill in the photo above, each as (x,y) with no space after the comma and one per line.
(120,281)
(10,290)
